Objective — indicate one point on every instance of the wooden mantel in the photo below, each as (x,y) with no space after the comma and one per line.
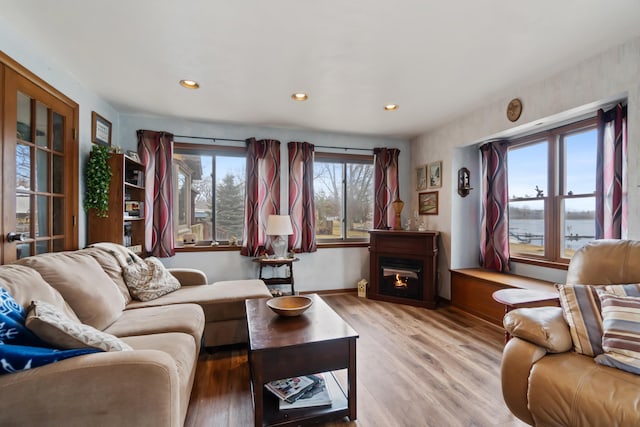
(405,244)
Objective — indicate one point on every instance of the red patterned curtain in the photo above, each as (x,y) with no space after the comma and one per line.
(156,153)
(386,186)
(301,199)
(611,174)
(494,239)
(262,192)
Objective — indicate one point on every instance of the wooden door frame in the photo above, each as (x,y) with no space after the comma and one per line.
(7,201)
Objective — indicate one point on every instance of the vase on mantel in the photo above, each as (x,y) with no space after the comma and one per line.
(397,207)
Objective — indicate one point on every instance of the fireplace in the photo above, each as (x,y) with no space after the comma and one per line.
(401,277)
(403,267)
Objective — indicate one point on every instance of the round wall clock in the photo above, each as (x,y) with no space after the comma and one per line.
(514,109)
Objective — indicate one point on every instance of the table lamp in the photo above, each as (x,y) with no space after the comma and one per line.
(279,226)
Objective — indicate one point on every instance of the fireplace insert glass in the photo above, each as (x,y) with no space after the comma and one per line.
(401,277)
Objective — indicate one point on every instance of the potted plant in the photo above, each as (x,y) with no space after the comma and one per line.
(97,181)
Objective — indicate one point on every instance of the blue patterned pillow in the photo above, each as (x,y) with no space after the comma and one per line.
(20,349)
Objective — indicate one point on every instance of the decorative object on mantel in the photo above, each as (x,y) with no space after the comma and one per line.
(435,174)
(464,182)
(397,207)
(514,109)
(428,203)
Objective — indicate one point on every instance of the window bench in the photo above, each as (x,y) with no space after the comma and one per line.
(472,289)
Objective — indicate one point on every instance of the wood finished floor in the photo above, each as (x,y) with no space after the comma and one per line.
(415,367)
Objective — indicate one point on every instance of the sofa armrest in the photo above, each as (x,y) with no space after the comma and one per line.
(543,326)
(189,276)
(128,388)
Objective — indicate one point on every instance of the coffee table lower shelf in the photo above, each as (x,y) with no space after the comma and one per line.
(292,417)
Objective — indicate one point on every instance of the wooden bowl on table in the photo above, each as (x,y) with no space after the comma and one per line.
(293,305)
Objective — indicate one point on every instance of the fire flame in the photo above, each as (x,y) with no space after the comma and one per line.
(399,282)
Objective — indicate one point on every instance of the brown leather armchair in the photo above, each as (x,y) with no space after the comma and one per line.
(544,382)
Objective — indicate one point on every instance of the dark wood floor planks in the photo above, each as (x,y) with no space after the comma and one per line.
(416,367)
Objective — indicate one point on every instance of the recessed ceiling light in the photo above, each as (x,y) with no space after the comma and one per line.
(189,84)
(299,96)
(391,107)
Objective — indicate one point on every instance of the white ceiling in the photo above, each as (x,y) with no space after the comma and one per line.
(436,59)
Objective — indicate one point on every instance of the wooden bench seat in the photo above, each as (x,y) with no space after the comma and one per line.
(472,289)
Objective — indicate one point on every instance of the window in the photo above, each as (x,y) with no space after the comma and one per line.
(343,189)
(552,183)
(208,188)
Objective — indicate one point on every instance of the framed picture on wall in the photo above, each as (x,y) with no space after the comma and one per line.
(100,130)
(421,178)
(435,174)
(428,203)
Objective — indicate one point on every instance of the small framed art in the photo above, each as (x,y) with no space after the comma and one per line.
(428,203)
(435,174)
(100,130)
(421,178)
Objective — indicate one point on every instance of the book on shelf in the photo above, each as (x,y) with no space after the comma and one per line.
(290,388)
(133,208)
(320,394)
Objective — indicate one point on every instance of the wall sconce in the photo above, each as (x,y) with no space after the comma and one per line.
(464,182)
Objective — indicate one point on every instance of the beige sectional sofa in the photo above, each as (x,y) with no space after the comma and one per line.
(149,386)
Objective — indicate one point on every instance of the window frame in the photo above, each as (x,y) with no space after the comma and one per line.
(344,159)
(553,201)
(213,151)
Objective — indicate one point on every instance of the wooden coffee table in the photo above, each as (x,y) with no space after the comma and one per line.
(317,341)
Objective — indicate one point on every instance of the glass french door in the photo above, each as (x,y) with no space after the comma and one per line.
(39,178)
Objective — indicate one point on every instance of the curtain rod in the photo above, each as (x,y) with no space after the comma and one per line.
(244,140)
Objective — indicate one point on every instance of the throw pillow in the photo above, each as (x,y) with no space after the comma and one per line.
(581,309)
(621,332)
(53,327)
(20,348)
(148,280)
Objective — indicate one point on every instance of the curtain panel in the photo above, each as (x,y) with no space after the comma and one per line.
(262,196)
(494,238)
(385,186)
(156,153)
(611,174)
(301,197)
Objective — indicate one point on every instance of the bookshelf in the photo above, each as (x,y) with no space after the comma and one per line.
(125,221)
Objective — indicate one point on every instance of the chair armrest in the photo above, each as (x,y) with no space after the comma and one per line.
(189,276)
(127,388)
(542,326)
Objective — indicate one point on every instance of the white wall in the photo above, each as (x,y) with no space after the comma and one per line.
(13,44)
(613,74)
(330,268)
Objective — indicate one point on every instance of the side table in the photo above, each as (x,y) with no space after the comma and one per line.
(275,262)
(518,298)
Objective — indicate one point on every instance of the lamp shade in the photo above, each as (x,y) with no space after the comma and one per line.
(279,225)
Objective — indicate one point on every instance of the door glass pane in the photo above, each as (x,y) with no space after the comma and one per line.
(328,199)
(42,247)
(58,132)
(23,213)
(42,226)
(24,117)
(526,227)
(42,124)
(527,171)
(58,245)
(58,174)
(23,250)
(23,167)
(42,170)
(359,200)
(58,216)
(578,223)
(580,162)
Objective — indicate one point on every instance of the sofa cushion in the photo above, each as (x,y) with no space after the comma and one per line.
(83,284)
(110,265)
(621,332)
(581,309)
(149,279)
(26,284)
(53,327)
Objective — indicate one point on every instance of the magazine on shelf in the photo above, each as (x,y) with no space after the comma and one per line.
(320,394)
(290,388)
